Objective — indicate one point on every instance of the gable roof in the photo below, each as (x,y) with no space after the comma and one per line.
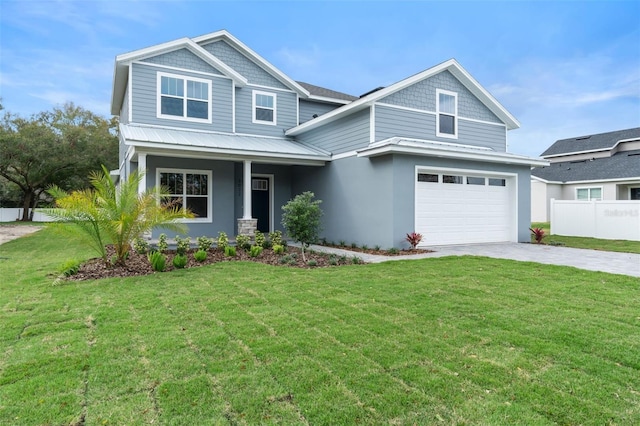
(623,165)
(253,56)
(451,65)
(591,143)
(121,68)
(321,93)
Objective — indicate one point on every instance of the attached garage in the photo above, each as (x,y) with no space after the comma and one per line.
(456,206)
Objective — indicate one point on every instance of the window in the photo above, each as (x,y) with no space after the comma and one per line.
(264,108)
(260,184)
(427,177)
(588,194)
(447,112)
(634,193)
(497,182)
(475,180)
(452,179)
(190,188)
(184,98)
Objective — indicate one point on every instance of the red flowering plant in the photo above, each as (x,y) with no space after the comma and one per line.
(414,239)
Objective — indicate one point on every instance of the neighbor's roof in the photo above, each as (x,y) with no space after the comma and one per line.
(591,143)
(365,101)
(317,91)
(221,144)
(622,165)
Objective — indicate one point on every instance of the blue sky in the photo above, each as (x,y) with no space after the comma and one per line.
(561,68)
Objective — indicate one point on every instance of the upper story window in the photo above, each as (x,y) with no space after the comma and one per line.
(264,108)
(589,194)
(447,114)
(184,98)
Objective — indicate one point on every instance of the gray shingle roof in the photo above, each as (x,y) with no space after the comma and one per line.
(591,142)
(622,165)
(327,93)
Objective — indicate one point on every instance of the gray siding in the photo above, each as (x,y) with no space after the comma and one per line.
(309,108)
(372,201)
(422,95)
(184,59)
(345,134)
(144,84)
(124,110)
(392,122)
(222,192)
(241,64)
(286,112)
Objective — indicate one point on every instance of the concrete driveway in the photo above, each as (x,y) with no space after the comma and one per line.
(592,260)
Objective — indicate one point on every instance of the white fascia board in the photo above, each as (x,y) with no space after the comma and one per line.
(574,182)
(434,152)
(182,151)
(451,65)
(259,60)
(328,100)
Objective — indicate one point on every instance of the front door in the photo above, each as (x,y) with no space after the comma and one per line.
(260,202)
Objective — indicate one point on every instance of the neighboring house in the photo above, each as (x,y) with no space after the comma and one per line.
(605,166)
(234,139)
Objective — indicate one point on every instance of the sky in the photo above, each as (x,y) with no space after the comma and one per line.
(563,69)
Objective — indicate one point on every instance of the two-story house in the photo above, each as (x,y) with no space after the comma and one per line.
(234,139)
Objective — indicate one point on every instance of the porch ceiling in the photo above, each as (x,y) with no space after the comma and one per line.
(189,143)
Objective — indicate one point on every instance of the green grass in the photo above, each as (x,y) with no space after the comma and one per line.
(624,246)
(438,341)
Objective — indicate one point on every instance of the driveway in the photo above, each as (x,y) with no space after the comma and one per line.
(592,260)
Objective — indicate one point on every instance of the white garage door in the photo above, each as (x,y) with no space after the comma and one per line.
(460,208)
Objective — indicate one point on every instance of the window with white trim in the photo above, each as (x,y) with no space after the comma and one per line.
(589,194)
(184,98)
(634,193)
(190,189)
(264,108)
(447,114)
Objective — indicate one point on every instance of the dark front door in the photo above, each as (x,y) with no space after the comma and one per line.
(260,202)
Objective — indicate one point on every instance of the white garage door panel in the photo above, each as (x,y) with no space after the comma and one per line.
(461,213)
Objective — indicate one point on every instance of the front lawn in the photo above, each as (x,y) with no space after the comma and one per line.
(624,246)
(437,341)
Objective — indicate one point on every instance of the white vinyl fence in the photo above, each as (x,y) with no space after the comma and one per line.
(611,220)
(11,215)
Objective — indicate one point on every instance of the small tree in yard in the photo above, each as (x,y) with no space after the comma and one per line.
(301,219)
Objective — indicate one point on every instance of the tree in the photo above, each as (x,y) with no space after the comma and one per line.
(59,147)
(116,214)
(301,219)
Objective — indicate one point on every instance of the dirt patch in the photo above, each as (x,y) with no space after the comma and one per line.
(11,232)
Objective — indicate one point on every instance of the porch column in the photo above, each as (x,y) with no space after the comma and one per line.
(247,225)
(247,190)
(142,168)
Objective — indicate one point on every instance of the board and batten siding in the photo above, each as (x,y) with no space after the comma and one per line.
(243,65)
(145,91)
(346,134)
(391,122)
(286,112)
(309,108)
(422,96)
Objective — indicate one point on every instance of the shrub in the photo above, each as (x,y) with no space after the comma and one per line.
(141,246)
(538,234)
(356,260)
(204,243)
(182,245)
(342,243)
(377,248)
(267,244)
(163,244)
(364,247)
(158,261)
(243,242)
(312,263)
(230,251)
(200,255)
(333,261)
(259,239)
(354,245)
(278,249)
(255,251)
(393,250)
(276,238)
(223,241)
(70,267)
(414,239)
(301,219)
(180,261)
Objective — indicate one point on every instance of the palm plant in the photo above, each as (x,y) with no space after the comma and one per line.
(116,214)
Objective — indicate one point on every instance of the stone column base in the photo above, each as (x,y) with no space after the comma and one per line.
(247,227)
